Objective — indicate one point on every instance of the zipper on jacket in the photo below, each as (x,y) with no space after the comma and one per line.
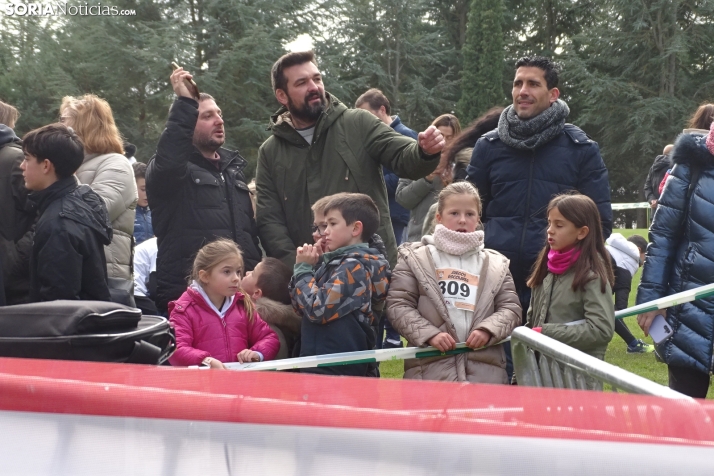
(226,341)
(528,206)
(347,174)
(230,206)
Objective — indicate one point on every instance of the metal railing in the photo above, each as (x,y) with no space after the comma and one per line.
(540,361)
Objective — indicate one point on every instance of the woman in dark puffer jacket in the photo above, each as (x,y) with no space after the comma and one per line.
(681,257)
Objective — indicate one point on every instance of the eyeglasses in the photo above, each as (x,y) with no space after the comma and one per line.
(319,229)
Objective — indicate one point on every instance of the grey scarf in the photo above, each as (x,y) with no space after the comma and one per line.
(532,133)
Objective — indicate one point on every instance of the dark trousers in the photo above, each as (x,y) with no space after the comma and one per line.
(398,232)
(624,332)
(688,381)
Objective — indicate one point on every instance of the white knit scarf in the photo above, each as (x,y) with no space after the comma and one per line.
(457,243)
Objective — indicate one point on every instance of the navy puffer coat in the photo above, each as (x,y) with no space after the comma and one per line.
(516,186)
(681,254)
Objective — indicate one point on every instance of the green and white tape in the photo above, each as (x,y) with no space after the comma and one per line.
(348,358)
(630,206)
(668,301)
(381,355)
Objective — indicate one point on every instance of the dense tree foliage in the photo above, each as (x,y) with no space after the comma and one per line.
(482,74)
(633,71)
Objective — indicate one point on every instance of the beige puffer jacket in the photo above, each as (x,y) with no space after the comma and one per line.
(111,176)
(417,310)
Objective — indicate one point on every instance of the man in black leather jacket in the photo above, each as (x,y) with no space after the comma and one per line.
(197,191)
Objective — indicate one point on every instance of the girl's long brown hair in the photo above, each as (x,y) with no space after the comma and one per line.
(581,211)
(702,117)
(214,254)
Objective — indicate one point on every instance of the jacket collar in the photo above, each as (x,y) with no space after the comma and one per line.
(227,157)
(281,123)
(59,189)
(206,301)
(339,252)
(691,149)
(8,136)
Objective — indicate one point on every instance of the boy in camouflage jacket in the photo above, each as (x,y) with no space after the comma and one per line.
(336,301)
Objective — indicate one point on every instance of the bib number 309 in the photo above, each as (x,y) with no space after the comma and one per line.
(458,288)
(453,288)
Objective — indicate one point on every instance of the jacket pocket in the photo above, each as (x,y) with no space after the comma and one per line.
(348,177)
(205,190)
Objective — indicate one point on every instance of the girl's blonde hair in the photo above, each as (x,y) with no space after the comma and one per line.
(594,261)
(93,121)
(458,188)
(213,254)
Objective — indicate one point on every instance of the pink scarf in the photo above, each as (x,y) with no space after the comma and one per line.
(456,243)
(560,261)
(710,140)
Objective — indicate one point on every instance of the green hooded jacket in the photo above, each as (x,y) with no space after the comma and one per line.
(583,319)
(349,148)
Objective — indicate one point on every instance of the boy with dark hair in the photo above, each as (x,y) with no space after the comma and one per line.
(143,228)
(67,260)
(336,301)
(268,285)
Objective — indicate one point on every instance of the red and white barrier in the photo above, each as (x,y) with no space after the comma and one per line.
(79,418)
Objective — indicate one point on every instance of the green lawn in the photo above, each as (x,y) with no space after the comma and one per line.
(640,364)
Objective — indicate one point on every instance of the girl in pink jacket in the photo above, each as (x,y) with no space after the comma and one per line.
(214,321)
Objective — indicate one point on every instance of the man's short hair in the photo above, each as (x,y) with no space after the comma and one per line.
(357,207)
(139,170)
(273,280)
(639,242)
(57,143)
(205,96)
(376,99)
(129,150)
(277,76)
(8,114)
(550,68)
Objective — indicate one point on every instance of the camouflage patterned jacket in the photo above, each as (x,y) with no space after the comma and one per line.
(335,303)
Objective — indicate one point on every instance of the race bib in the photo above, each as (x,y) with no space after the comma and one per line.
(458,288)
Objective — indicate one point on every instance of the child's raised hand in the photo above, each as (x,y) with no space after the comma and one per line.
(478,339)
(307,254)
(247,355)
(320,246)
(443,341)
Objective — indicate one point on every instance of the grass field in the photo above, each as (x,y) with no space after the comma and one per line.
(640,364)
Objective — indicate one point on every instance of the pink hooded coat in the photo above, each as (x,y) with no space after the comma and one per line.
(201,333)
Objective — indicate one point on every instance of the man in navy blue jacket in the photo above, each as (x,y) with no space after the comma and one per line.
(531,157)
(376,102)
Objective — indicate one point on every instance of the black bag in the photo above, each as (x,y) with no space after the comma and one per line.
(84,330)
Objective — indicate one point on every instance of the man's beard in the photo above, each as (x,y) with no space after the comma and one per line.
(306,112)
(207,142)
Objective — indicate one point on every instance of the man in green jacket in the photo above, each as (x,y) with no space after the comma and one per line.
(319,147)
